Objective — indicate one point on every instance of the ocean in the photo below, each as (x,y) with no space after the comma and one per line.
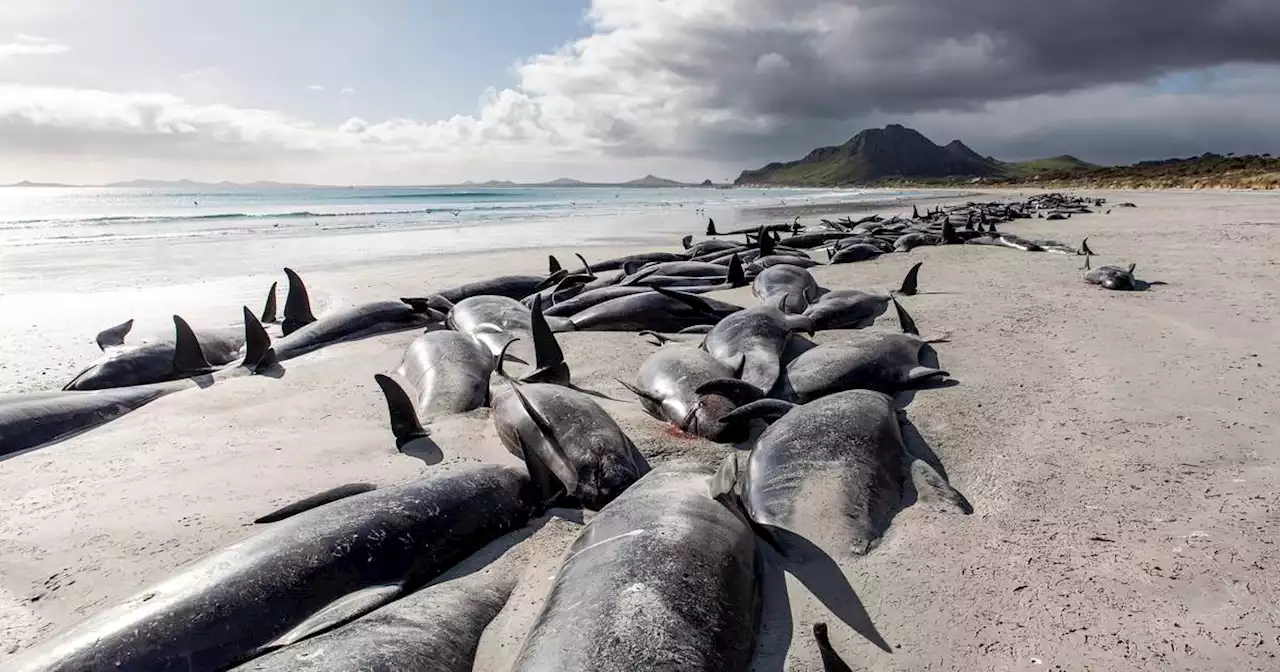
(176,232)
(76,260)
(54,216)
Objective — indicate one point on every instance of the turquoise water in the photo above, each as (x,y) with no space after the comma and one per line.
(58,216)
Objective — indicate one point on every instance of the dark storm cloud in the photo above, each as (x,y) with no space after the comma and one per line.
(844,59)
(757,79)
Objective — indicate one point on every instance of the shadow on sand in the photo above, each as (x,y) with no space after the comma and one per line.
(424,449)
(272,370)
(918,447)
(822,577)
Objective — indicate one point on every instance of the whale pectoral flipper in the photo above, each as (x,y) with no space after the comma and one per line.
(559,464)
(342,610)
(737,391)
(187,355)
(932,487)
(643,394)
(419,304)
(316,500)
(766,409)
(724,488)
(920,374)
(113,336)
(551,280)
(690,300)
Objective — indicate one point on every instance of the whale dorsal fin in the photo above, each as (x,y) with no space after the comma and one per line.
(297,304)
(553,264)
(113,336)
(910,282)
(187,355)
(405,425)
(258,353)
(766,242)
(736,277)
(548,357)
(586,268)
(269,310)
(908,324)
(949,233)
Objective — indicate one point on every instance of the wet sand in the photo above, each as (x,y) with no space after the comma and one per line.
(1119,450)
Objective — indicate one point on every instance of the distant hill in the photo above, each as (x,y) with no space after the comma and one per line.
(191,184)
(1058,165)
(558,182)
(877,154)
(28,183)
(895,155)
(654,181)
(646,182)
(1251,171)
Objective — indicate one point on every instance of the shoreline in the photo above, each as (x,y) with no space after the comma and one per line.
(57,298)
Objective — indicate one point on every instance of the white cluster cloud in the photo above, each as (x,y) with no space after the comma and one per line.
(735,82)
(31,45)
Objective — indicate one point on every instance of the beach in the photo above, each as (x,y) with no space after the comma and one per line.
(1119,448)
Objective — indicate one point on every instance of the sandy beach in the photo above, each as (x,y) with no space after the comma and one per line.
(1119,448)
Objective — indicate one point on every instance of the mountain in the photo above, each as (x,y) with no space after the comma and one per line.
(29,183)
(646,182)
(894,152)
(1057,166)
(654,181)
(562,182)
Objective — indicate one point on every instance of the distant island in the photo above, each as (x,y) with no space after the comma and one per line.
(900,156)
(646,182)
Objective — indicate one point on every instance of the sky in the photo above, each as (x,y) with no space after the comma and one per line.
(429,91)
